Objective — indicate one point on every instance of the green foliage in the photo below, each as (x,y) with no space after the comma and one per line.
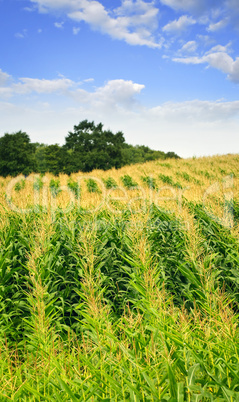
(38,184)
(55,187)
(16,154)
(223,248)
(104,307)
(74,187)
(167,165)
(188,178)
(150,182)
(169,180)
(110,183)
(128,182)
(50,158)
(92,186)
(90,147)
(20,185)
(86,148)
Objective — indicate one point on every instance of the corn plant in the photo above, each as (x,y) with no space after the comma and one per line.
(110,183)
(20,185)
(92,186)
(55,187)
(150,182)
(38,184)
(120,306)
(169,180)
(74,187)
(128,182)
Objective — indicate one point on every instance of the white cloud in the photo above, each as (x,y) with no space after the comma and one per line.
(28,85)
(59,24)
(217,58)
(177,26)
(29,9)
(89,80)
(115,93)
(4,78)
(134,22)
(206,40)
(21,35)
(189,47)
(188,128)
(75,30)
(194,6)
(31,85)
(220,48)
(213,27)
(197,109)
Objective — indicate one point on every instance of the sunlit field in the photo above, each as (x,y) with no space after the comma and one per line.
(121,285)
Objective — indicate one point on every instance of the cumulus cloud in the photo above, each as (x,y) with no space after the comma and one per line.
(4,78)
(21,35)
(187,125)
(28,85)
(75,30)
(217,58)
(59,24)
(134,21)
(179,25)
(198,109)
(113,94)
(31,85)
(189,47)
(213,27)
(89,80)
(194,128)
(194,6)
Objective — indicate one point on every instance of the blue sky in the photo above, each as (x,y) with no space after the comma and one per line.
(165,72)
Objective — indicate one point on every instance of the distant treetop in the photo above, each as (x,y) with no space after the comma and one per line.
(87,147)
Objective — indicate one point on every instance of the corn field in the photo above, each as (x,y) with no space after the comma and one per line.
(121,285)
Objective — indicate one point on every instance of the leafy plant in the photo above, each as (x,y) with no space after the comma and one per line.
(92,186)
(74,187)
(149,181)
(110,183)
(165,164)
(38,184)
(169,180)
(20,185)
(128,182)
(55,187)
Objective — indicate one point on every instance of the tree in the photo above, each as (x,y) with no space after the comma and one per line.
(16,154)
(50,158)
(172,155)
(90,147)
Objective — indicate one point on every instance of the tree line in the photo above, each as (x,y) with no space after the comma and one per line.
(87,147)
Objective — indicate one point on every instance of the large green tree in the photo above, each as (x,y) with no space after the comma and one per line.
(50,158)
(16,154)
(90,147)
